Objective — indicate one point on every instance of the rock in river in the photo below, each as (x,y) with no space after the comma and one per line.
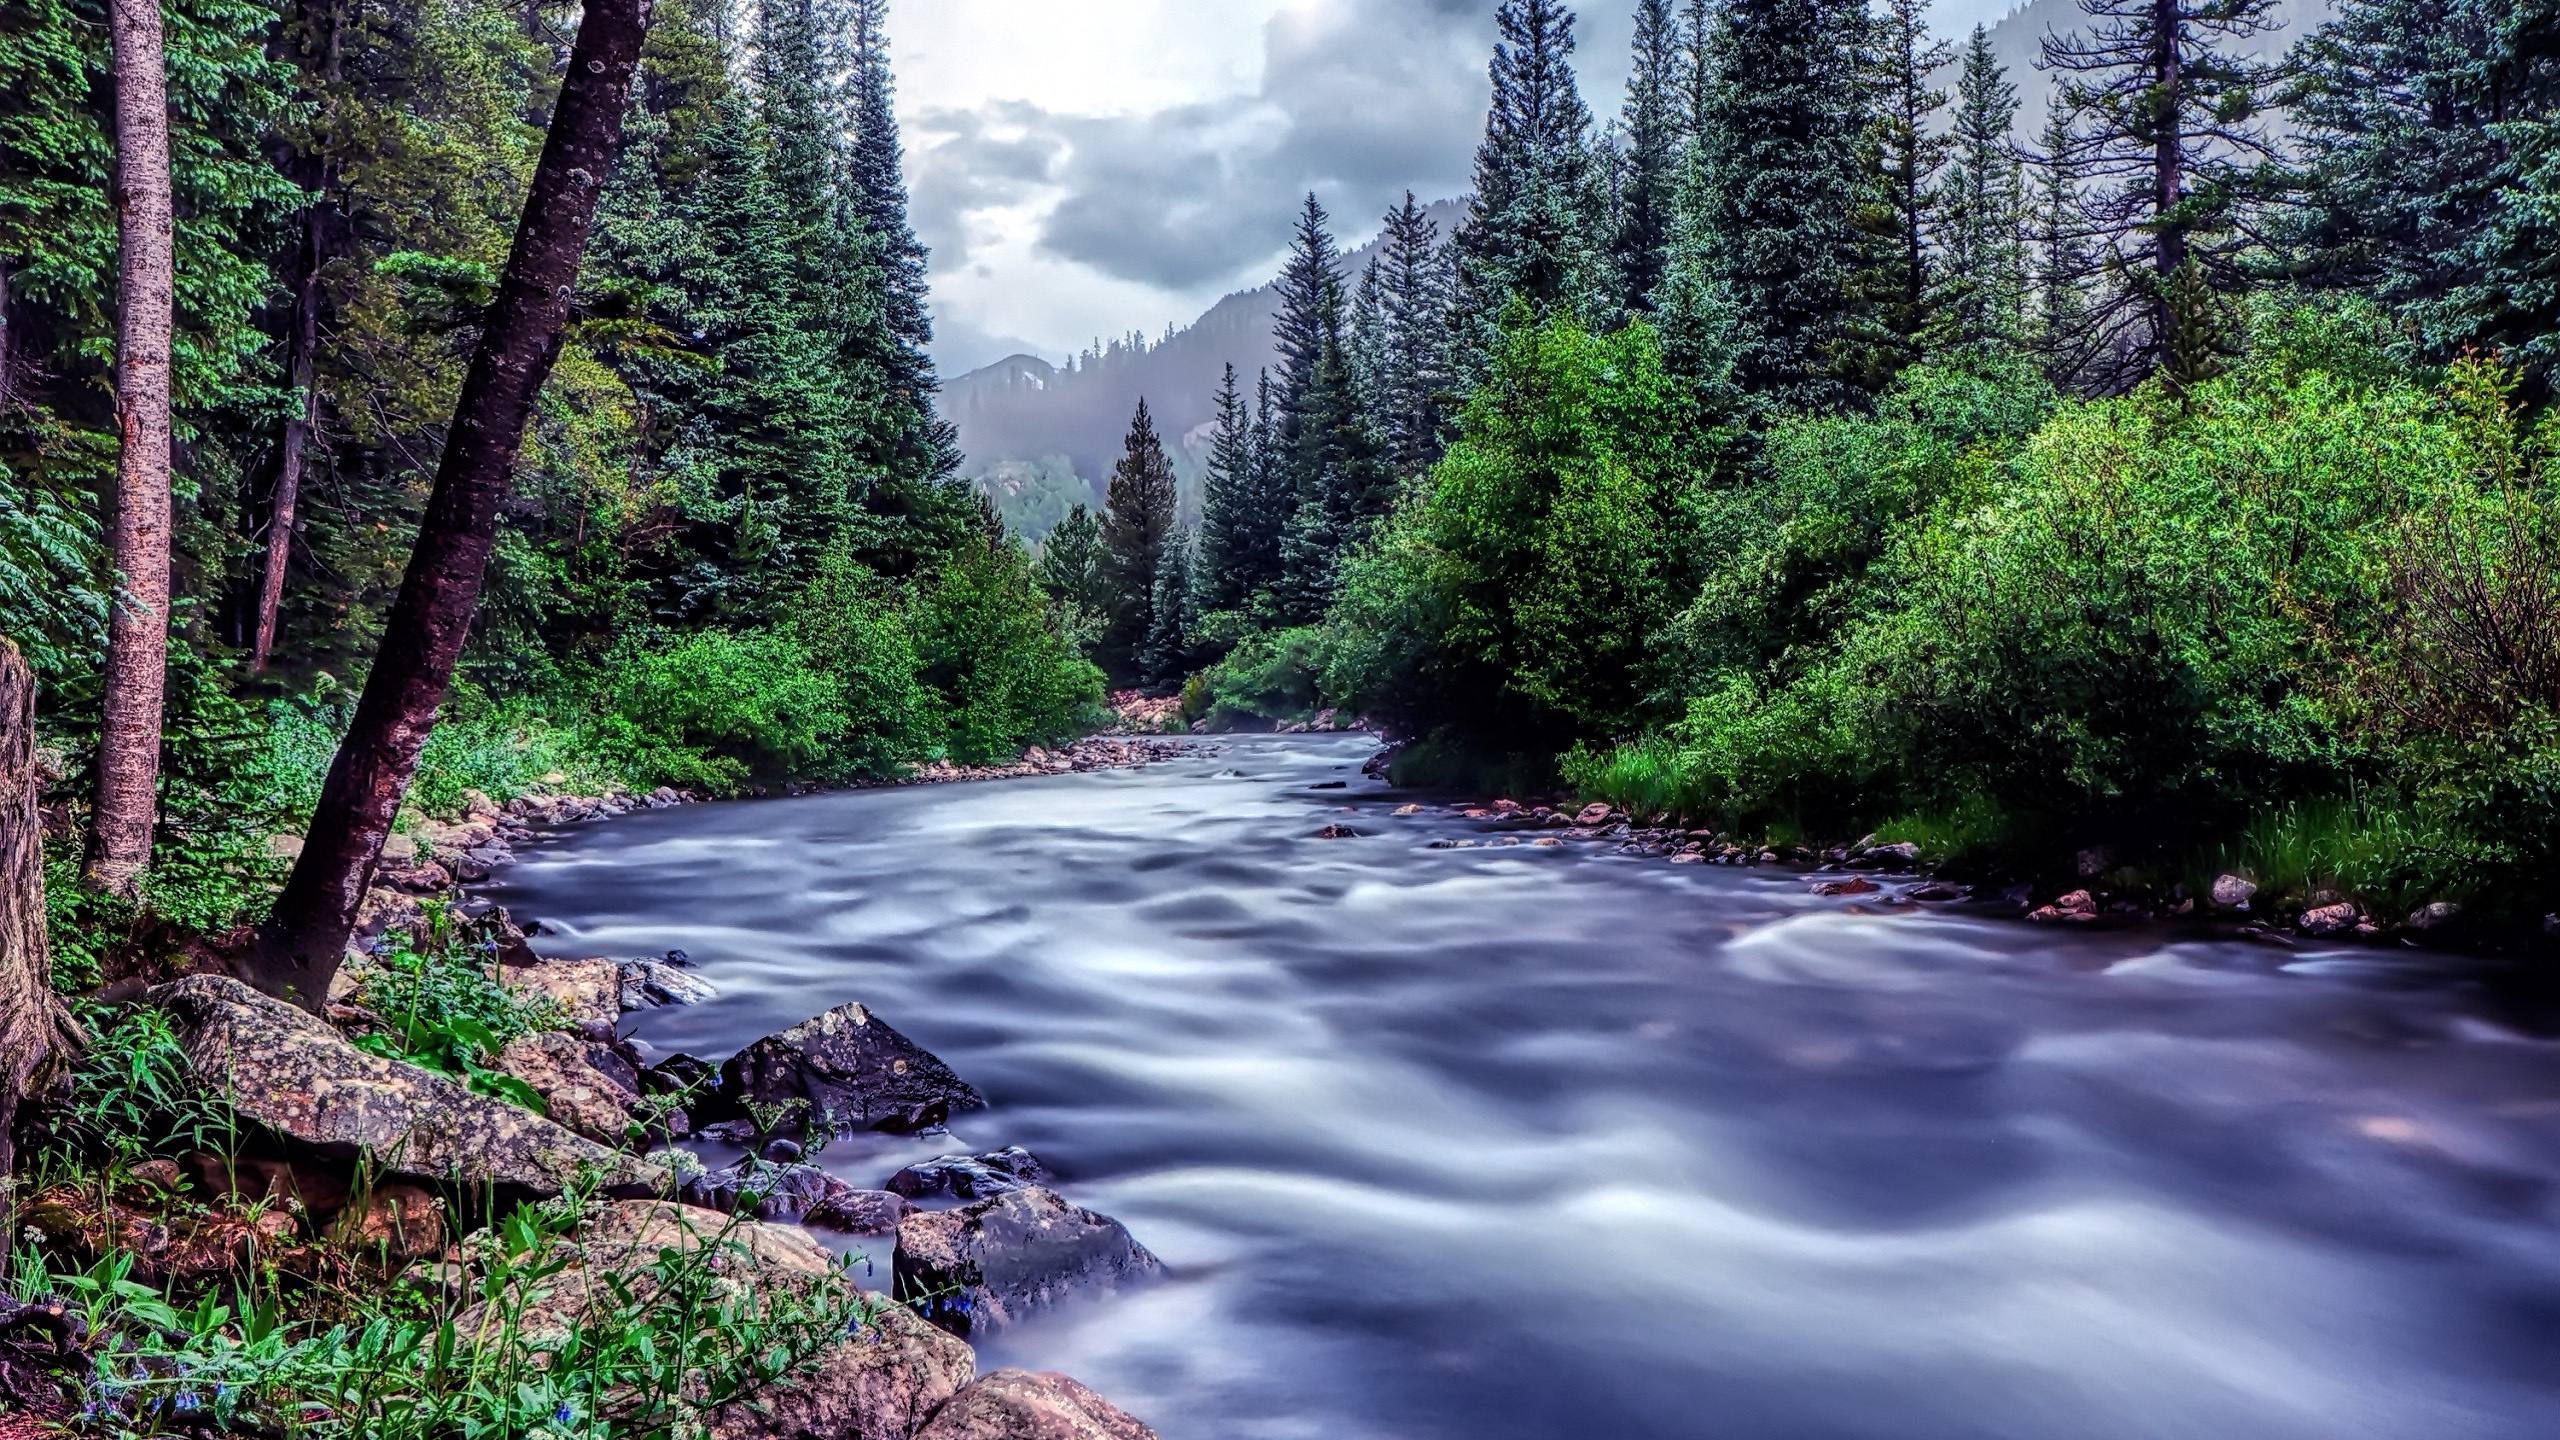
(295,1075)
(576,1091)
(797,1194)
(849,1070)
(1022,1405)
(982,1267)
(970,1177)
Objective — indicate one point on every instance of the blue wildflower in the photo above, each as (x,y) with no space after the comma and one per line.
(564,1415)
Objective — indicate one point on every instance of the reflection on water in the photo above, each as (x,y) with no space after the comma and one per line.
(1545,1143)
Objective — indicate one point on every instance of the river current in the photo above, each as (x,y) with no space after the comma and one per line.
(1471,1144)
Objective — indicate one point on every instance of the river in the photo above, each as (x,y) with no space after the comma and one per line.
(1551,1143)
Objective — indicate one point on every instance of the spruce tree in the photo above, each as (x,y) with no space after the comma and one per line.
(1233,558)
(1655,134)
(1164,659)
(1343,484)
(1409,389)
(1898,287)
(1536,229)
(1981,206)
(1136,531)
(2426,132)
(2065,259)
(1071,569)
(2164,134)
(1767,242)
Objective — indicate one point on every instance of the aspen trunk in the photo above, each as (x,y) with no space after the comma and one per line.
(35,1031)
(303,941)
(138,615)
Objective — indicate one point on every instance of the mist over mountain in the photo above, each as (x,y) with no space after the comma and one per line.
(1040,437)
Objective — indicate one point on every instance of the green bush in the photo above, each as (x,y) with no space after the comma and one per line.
(855,628)
(1004,679)
(712,708)
(1271,677)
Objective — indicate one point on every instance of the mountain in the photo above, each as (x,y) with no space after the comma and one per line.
(1040,437)
(2018,39)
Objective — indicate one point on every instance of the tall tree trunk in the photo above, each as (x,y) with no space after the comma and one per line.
(35,1031)
(2168,153)
(300,946)
(297,436)
(138,617)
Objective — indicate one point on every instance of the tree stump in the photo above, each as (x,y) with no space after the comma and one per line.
(36,1032)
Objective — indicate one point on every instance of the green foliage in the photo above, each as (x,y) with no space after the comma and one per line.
(132,1094)
(1552,542)
(1005,680)
(713,708)
(1270,678)
(665,1335)
(441,1007)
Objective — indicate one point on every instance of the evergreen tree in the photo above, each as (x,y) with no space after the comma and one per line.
(2163,133)
(1536,228)
(1766,233)
(1343,485)
(1136,534)
(1235,555)
(2065,259)
(1165,658)
(1655,133)
(1409,385)
(1981,206)
(2423,125)
(1071,570)
(1898,289)
(1310,311)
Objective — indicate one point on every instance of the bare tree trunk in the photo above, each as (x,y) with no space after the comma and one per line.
(297,436)
(300,946)
(35,1031)
(138,617)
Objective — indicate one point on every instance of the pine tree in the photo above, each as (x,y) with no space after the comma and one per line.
(1136,533)
(2164,132)
(1071,569)
(1981,206)
(1310,309)
(2422,122)
(1766,237)
(1898,287)
(1343,485)
(1165,658)
(1655,133)
(1409,386)
(1535,231)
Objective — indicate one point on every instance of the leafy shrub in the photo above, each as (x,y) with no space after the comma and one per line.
(855,628)
(131,1094)
(442,1009)
(1004,678)
(1271,677)
(713,708)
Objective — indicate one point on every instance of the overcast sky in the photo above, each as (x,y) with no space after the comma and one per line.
(1084,168)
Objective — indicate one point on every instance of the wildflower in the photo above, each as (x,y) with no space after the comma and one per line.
(563,1415)
(184,1401)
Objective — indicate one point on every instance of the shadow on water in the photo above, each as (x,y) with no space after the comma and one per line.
(1549,1143)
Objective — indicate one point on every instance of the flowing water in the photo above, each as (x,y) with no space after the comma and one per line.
(1492,1143)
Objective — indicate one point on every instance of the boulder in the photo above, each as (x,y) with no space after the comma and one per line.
(849,1071)
(2329,919)
(970,1177)
(402,1223)
(648,984)
(1934,892)
(1021,1405)
(2232,892)
(1593,814)
(795,1194)
(1338,832)
(2434,916)
(982,1267)
(1403,810)
(592,1099)
(889,1372)
(588,992)
(1854,885)
(293,1074)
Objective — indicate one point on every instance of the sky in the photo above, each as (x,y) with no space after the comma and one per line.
(1085,168)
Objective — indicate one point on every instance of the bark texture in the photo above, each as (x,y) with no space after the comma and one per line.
(138,619)
(35,1031)
(300,946)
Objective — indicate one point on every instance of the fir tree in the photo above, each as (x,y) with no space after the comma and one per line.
(1165,657)
(1897,290)
(2164,133)
(1071,571)
(1343,484)
(1535,230)
(1766,236)
(1136,533)
(1981,206)
(1655,133)
(2422,123)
